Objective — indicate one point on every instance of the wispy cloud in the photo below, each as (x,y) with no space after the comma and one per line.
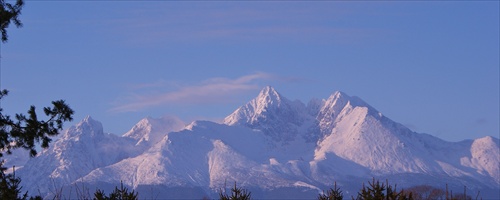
(214,90)
(270,22)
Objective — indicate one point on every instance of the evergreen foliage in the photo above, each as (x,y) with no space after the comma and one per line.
(379,191)
(117,194)
(9,13)
(332,194)
(10,187)
(236,194)
(26,131)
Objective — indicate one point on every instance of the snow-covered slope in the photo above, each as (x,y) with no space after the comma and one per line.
(484,157)
(357,137)
(16,160)
(81,149)
(271,145)
(150,130)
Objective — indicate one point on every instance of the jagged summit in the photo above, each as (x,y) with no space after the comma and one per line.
(334,104)
(269,144)
(283,119)
(88,120)
(338,100)
(267,101)
(81,149)
(272,113)
(150,130)
(269,96)
(86,126)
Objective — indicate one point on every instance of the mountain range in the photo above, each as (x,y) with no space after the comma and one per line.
(275,147)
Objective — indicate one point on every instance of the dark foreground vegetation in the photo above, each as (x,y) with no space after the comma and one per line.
(374,190)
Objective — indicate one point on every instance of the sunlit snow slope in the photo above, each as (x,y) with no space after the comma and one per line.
(271,145)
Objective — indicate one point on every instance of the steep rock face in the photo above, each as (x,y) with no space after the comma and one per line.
(337,106)
(330,110)
(272,113)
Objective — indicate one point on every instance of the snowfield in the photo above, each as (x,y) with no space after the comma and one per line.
(272,146)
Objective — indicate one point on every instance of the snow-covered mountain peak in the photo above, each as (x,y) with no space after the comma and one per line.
(338,98)
(81,149)
(488,140)
(150,130)
(268,101)
(338,94)
(269,144)
(86,126)
(195,124)
(340,102)
(268,96)
(330,110)
(272,113)
(89,120)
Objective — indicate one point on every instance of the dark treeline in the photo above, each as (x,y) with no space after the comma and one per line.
(374,190)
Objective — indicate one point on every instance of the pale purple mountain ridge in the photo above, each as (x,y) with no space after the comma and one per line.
(271,145)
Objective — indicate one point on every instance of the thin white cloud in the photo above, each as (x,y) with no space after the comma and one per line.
(214,90)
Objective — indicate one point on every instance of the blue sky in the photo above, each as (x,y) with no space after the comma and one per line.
(432,66)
